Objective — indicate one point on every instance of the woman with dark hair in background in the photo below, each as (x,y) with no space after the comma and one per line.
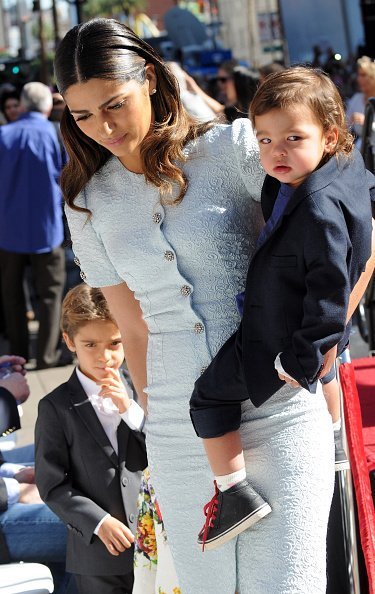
(10,105)
(245,84)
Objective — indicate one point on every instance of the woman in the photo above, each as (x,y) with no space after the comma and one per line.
(164,216)
(245,83)
(10,105)
(355,111)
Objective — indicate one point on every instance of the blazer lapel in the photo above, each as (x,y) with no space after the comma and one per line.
(316,181)
(84,409)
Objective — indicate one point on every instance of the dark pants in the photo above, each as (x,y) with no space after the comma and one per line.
(105,584)
(48,271)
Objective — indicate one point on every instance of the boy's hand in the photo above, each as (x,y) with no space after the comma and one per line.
(113,388)
(115,535)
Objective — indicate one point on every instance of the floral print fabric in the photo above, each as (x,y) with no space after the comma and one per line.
(154,571)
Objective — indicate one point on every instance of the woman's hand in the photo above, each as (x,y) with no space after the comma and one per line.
(113,388)
(329,361)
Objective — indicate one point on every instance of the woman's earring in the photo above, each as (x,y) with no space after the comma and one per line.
(153,91)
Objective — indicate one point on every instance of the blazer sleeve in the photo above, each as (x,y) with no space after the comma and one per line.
(327,255)
(74,508)
(9,417)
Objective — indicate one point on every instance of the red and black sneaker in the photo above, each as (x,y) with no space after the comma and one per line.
(229,513)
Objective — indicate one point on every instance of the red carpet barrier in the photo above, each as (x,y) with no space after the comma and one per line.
(360,471)
(364,370)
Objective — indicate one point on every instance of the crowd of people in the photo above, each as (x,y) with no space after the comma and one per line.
(224,243)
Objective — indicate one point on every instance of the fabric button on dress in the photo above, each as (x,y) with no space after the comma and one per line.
(156,217)
(125,481)
(82,275)
(185,291)
(168,255)
(198,328)
(76,261)
(131,518)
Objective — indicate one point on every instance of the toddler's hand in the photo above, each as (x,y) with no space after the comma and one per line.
(288,380)
(115,535)
(113,388)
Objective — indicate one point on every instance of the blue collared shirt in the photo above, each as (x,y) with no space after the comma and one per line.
(30,196)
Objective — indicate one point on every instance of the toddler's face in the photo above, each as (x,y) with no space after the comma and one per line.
(292,143)
(98,347)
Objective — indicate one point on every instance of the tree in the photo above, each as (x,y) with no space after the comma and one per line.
(112,8)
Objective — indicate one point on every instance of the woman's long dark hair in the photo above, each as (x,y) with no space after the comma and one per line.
(106,49)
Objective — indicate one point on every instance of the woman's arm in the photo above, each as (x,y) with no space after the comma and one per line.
(354,299)
(363,281)
(128,315)
(193,86)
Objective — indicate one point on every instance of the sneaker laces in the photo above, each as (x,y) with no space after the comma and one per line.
(210,510)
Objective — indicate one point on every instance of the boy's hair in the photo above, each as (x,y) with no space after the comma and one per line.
(81,305)
(309,87)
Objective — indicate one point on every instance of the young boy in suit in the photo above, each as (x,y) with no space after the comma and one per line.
(90,450)
(316,200)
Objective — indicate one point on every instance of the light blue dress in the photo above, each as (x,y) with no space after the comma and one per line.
(185,264)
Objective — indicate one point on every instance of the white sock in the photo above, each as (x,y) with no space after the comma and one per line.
(337,425)
(228,480)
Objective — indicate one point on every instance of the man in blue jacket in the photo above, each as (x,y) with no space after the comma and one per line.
(31,226)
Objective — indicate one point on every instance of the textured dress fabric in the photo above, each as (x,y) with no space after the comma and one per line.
(185,264)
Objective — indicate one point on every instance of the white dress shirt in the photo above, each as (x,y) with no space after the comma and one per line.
(109,415)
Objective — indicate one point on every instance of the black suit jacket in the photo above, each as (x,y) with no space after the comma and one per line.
(81,478)
(297,289)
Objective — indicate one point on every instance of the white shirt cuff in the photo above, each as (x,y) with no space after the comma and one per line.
(280,369)
(100,523)
(9,469)
(134,417)
(13,489)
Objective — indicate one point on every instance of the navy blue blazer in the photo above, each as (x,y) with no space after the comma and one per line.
(297,290)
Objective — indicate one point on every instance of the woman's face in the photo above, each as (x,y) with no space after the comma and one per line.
(12,109)
(226,86)
(116,115)
(366,82)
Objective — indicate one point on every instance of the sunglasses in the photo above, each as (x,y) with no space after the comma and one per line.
(222,79)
